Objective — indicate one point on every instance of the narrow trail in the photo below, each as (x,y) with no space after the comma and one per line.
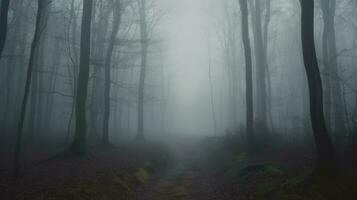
(182,181)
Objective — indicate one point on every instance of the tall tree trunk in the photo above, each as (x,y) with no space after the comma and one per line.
(107,84)
(79,144)
(3,23)
(17,37)
(211,90)
(129,101)
(325,150)
(74,61)
(99,36)
(37,36)
(261,68)
(163,104)
(33,97)
(268,74)
(330,57)
(266,25)
(339,118)
(20,71)
(249,75)
(326,59)
(234,76)
(36,106)
(144,48)
(41,85)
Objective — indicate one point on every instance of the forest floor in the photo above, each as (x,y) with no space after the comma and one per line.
(183,169)
(214,168)
(104,174)
(185,179)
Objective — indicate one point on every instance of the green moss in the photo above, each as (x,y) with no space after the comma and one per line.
(260,170)
(273,170)
(106,187)
(142,175)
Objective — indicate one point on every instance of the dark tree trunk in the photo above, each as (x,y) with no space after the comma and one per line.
(107,77)
(41,6)
(79,144)
(3,23)
(144,47)
(41,85)
(15,35)
(74,61)
(37,84)
(325,150)
(99,34)
(21,71)
(33,97)
(249,75)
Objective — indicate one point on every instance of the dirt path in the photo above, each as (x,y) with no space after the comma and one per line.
(182,181)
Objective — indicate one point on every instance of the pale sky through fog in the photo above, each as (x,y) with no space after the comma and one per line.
(185,41)
(185,31)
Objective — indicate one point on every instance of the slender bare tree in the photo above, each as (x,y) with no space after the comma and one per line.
(333,91)
(144,47)
(34,46)
(117,12)
(261,67)
(249,75)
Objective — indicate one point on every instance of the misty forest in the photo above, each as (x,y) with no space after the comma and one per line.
(178,99)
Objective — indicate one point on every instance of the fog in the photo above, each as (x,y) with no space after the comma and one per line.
(188,41)
(193,89)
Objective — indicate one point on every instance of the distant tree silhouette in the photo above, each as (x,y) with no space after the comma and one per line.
(117,12)
(34,46)
(79,144)
(249,75)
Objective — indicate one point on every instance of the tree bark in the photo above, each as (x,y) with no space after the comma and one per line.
(17,37)
(79,144)
(3,23)
(35,110)
(74,61)
(214,120)
(144,47)
(249,75)
(116,24)
(261,68)
(34,46)
(325,150)
(333,86)
(325,57)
